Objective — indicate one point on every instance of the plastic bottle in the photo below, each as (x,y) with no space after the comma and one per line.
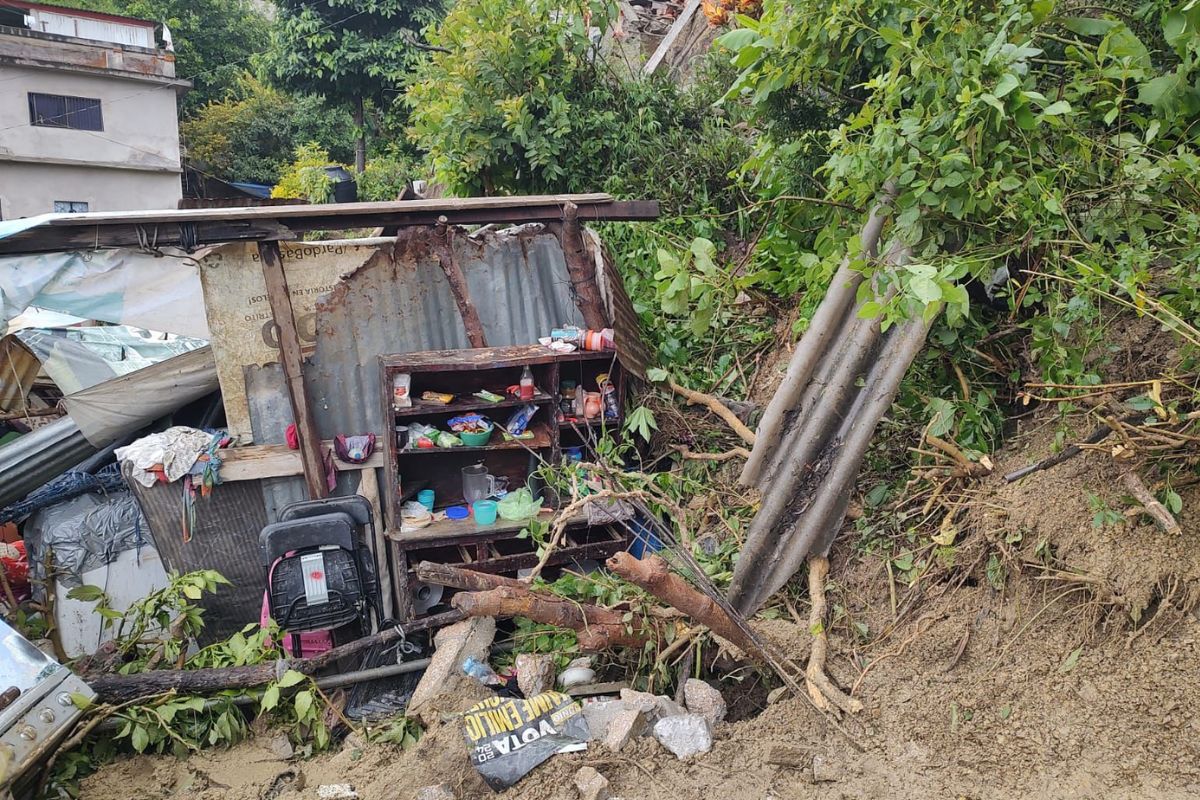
(526,383)
(474,668)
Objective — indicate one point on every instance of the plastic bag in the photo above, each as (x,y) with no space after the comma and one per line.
(519,421)
(508,737)
(519,504)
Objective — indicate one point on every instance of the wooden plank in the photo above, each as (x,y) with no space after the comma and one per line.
(368,487)
(581,268)
(448,530)
(668,43)
(165,229)
(293,369)
(468,403)
(470,359)
(258,461)
(444,249)
(440,205)
(542,439)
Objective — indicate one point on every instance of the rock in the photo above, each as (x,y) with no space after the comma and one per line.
(824,770)
(281,747)
(653,706)
(702,699)
(535,673)
(440,792)
(600,714)
(685,735)
(626,725)
(336,791)
(454,644)
(591,785)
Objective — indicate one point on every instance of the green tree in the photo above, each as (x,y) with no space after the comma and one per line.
(253,133)
(213,39)
(351,52)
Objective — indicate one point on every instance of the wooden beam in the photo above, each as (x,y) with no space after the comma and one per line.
(192,228)
(293,369)
(582,270)
(257,461)
(444,248)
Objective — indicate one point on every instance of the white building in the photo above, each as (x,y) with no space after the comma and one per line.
(88,113)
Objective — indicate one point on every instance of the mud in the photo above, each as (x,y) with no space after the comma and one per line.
(1079,677)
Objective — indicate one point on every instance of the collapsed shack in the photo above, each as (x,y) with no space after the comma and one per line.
(308,342)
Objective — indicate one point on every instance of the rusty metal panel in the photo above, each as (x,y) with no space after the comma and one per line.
(224,538)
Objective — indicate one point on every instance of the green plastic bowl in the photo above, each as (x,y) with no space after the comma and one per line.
(476,439)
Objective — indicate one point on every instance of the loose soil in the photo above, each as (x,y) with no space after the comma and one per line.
(1079,678)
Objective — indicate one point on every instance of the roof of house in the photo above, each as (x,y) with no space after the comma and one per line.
(77,12)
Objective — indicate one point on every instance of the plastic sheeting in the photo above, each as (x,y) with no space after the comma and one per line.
(108,410)
(85,532)
(131,287)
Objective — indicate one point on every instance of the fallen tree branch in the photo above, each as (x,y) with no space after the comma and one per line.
(559,527)
(736,452)
(653,575)
(604,628)
(717,407)
(820,688)
(115,688)
(459,578)
(1157,511)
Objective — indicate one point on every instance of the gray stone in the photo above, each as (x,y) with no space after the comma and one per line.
(824,770)
(336,791)
(625,726)
(600,714)
(655,707)
(454,644)
(702,699)
(591,785)
(685,736)
(281,747)
(535,673)
(440,792)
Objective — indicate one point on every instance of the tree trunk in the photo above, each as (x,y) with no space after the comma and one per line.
(459,578)
(360,136)
(603,628)
(117,688)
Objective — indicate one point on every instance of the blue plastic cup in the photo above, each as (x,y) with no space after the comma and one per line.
(485,512)
(425,498)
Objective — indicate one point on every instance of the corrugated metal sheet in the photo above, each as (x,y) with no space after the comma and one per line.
(518,281)
(225,538)
(35,458)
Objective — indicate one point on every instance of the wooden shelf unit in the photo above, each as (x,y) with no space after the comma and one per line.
(493,548)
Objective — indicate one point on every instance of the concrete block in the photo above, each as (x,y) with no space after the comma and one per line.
(591,785)
(453,645)
(655,707)
(685,736)
(626,725)
(535,673)
(702,699)
(600,714)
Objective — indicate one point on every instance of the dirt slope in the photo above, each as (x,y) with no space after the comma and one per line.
(1043,689)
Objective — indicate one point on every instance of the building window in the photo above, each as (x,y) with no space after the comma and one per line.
(59,111)
(70,207)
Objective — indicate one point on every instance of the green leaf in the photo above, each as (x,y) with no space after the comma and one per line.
(1010,183)
(657,375)
(303,703)
(291,678)
(1071,660)
(735,40)
(1089,26)
(139,739)
(86,593)
(870,310)
(1006,84)
(1057,109)
(192,592)
(925,289)
(270,698)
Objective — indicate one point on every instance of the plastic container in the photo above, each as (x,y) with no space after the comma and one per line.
(592,405)
(476,439)
(425,498)
(526,384)
(485,512)
(457,512)
(573,453)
